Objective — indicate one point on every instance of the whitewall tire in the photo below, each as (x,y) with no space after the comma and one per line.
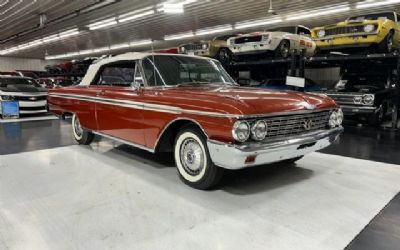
(81,135)
(193,160)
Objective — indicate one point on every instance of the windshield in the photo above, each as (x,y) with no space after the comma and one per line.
(17,81)
(362,83)
(378,16)
(169,70)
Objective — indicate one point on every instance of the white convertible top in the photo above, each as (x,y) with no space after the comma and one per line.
(131,56)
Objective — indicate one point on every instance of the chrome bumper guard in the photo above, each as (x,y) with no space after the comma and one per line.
(237,156)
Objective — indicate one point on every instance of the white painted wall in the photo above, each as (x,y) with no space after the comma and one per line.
(11,64)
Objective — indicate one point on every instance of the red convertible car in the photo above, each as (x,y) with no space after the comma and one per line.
(191,107)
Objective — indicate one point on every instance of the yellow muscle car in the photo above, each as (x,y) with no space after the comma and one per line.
(379,32)
(216,48)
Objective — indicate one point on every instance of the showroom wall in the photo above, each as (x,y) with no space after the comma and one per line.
(11,64)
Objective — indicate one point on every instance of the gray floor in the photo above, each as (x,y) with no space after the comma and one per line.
(115,197)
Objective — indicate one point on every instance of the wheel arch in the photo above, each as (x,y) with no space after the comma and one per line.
(167,137)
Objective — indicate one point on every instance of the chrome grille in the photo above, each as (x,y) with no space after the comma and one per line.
(248,39)
(193,47)
(344,99)
(345,30)
(293,125)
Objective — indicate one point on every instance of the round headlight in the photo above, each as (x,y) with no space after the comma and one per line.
(369,28)
(368,99)
(259,130)
(241,131)
(333,119)
(357,100)
(321,33)
(339,117)
(205,46)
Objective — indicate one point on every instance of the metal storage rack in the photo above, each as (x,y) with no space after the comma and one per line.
(297,63)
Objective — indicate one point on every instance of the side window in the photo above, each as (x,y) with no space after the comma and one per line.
(117,74)
(152,75)
(304,32)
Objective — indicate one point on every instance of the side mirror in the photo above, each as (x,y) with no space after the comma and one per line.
(137,85)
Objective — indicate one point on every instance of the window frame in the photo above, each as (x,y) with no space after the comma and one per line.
(95,81)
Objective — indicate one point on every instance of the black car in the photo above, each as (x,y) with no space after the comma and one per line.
(369,96)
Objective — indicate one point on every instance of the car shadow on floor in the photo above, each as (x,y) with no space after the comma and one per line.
(241,182)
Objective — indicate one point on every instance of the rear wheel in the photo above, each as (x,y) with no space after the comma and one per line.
(81,135)
(377,118)
(283,49)
(224,55)
(193,160)
(386,46)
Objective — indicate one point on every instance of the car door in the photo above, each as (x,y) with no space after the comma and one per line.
(118,108)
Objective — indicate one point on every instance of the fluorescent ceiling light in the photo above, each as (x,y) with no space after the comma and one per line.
(101,49)
(179,36)
(85,52)
(68,33)
(172,8)
(140,43)
(51,38)
(213,30)
(134,15)
(321,12)
(255,23)
(369,4)
(120,46)
(103,24)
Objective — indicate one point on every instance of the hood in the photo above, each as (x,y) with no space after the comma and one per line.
(242,101)
(21,88)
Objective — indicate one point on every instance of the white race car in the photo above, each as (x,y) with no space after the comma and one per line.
(280,41)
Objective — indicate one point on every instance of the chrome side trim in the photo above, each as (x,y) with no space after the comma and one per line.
(177,110)
(345,35)
(124,141)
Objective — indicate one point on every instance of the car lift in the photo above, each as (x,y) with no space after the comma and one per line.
(297,63)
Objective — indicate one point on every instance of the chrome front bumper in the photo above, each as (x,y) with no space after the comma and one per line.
(235,156)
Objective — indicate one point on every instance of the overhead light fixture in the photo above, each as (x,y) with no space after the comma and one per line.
(179,36)
(51,38)
(101,49)
(320,12)
(172,8)
(134,15)
(140,43)
(68,33)
(119,46)
(102,24)
(255,23)
(369,4)
(214,30)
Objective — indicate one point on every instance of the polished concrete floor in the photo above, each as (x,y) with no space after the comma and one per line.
(57,195)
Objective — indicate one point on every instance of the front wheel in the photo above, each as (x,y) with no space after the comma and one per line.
(193,160)
(283,49)
(224,55)
(81,135)
(376,119)
(387,44)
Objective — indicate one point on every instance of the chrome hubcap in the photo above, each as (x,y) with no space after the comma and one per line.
(284,51)
(77,127)
(192,157)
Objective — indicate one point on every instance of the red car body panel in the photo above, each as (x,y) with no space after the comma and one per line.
(145,125)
